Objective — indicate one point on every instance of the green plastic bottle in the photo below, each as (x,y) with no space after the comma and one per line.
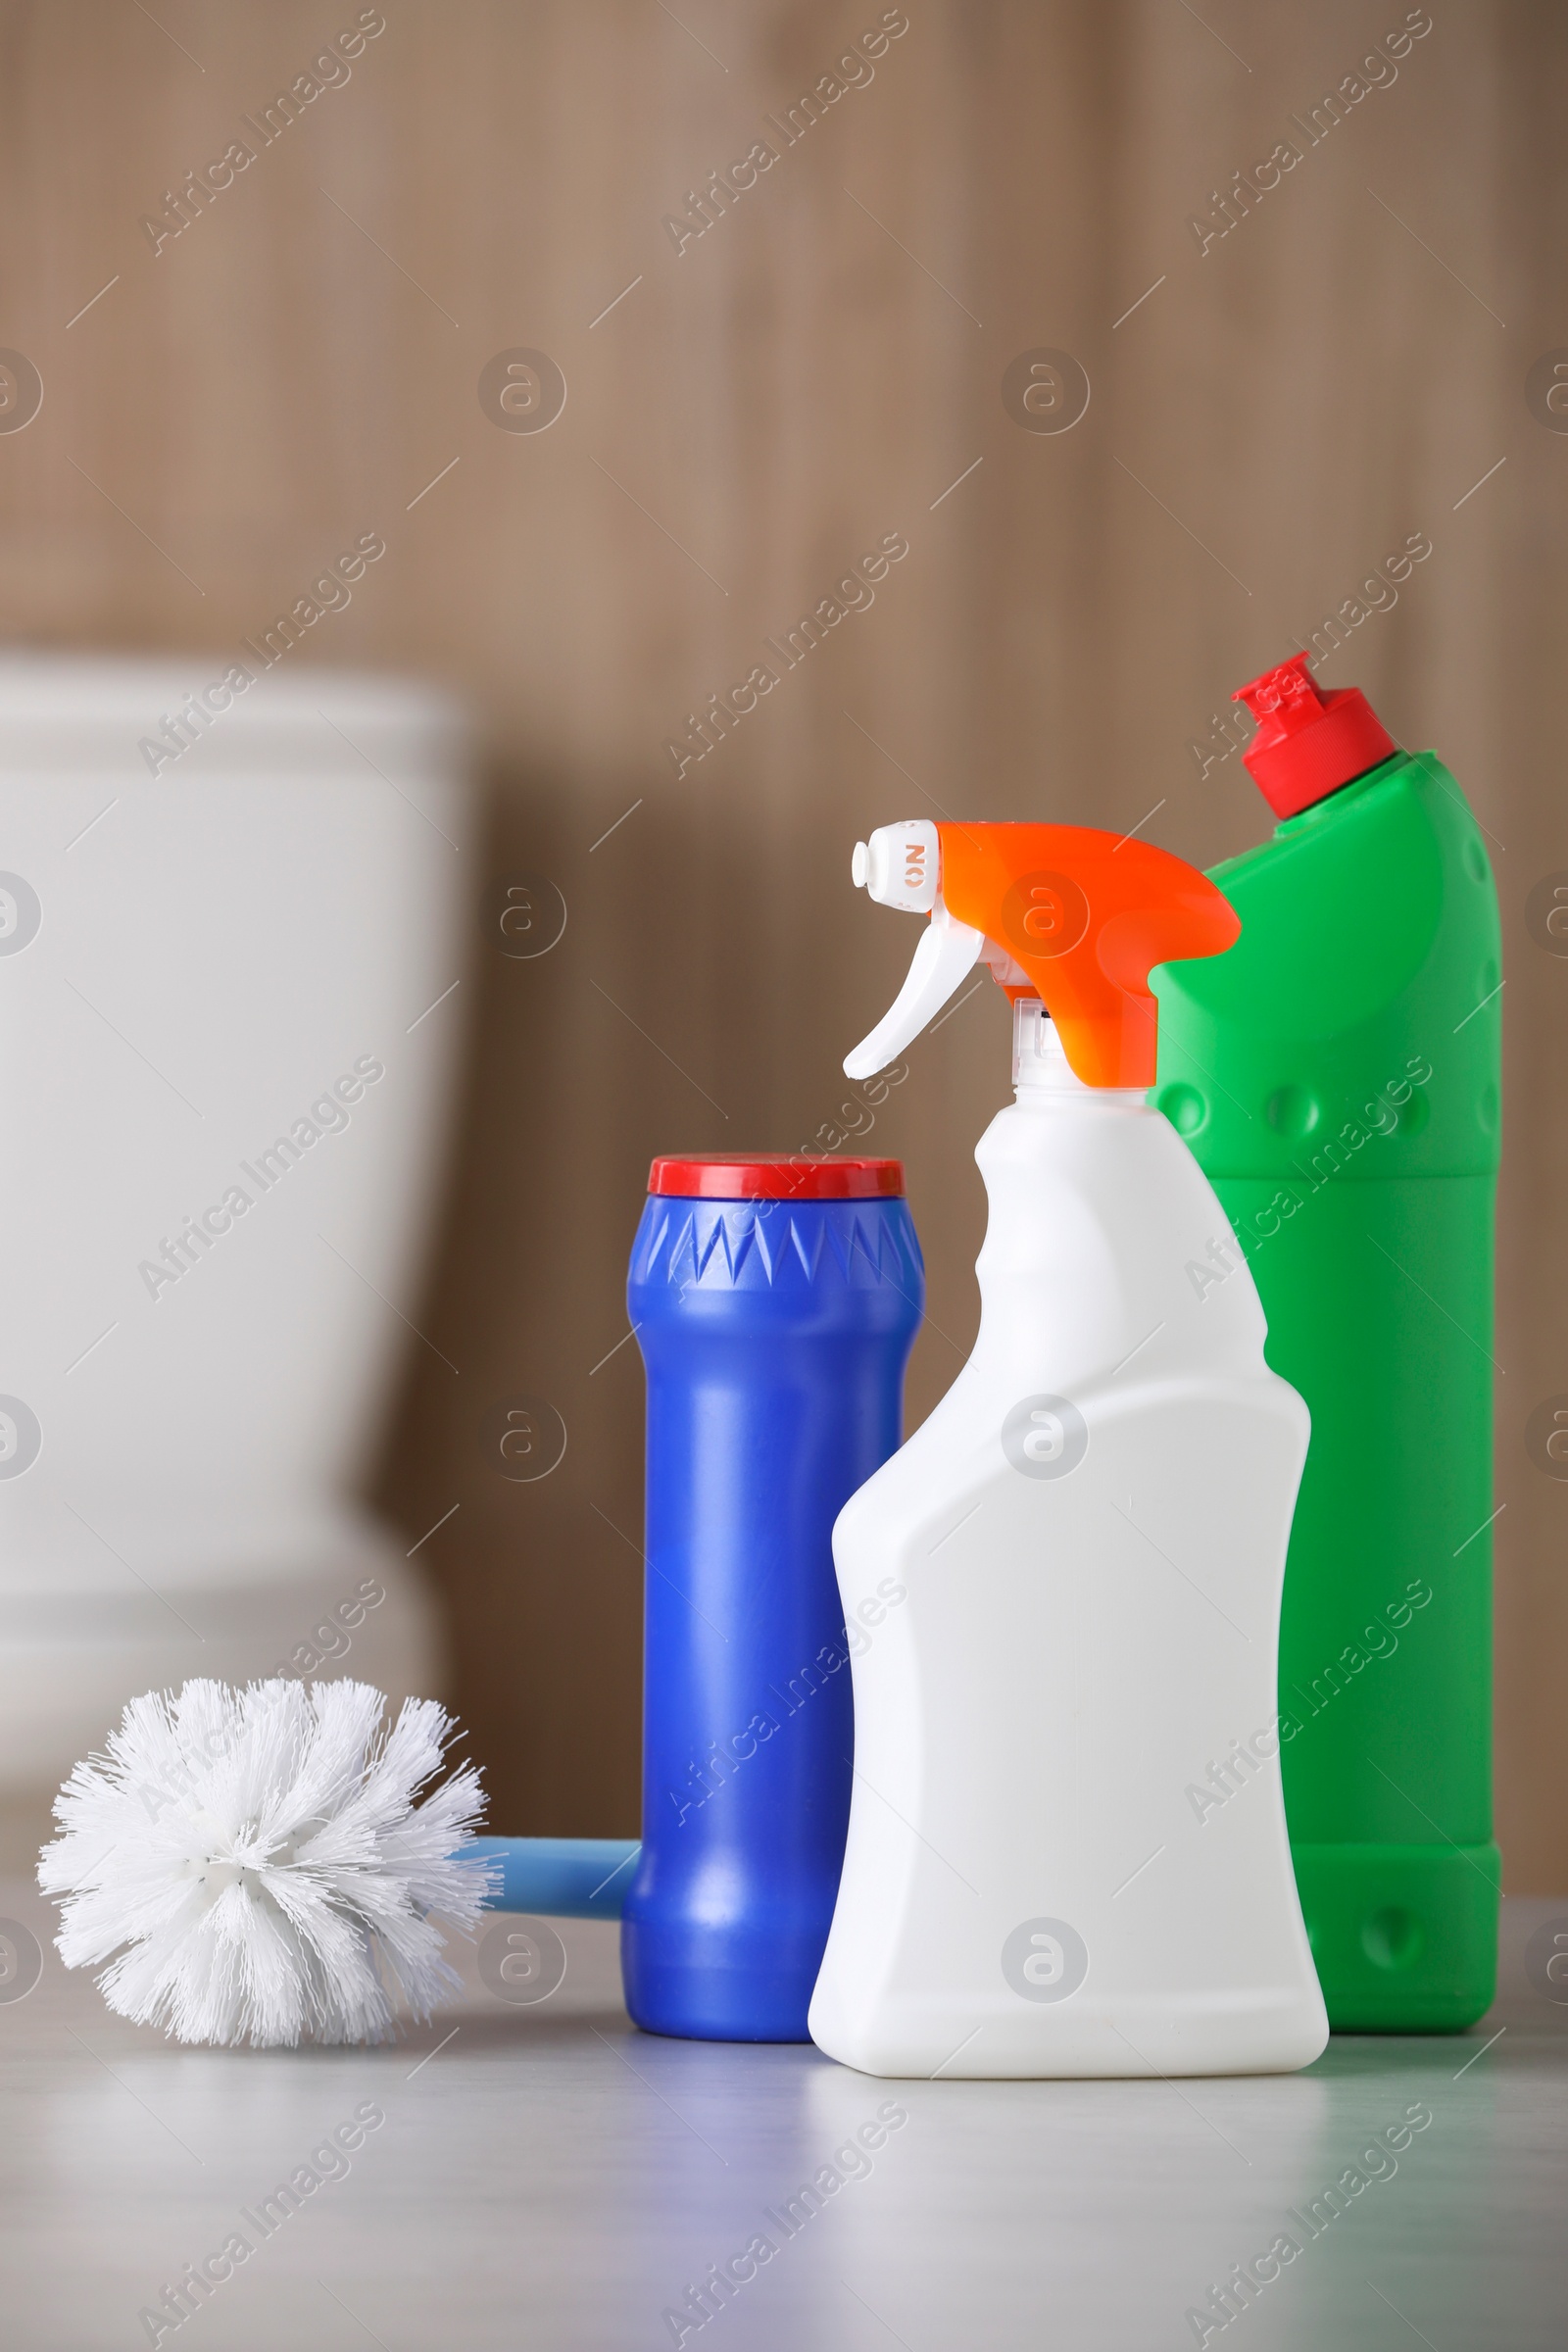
(1336,1075)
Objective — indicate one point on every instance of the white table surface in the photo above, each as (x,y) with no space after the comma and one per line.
(546,2176)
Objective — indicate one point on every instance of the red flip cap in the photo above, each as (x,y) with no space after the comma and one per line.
(1309,743)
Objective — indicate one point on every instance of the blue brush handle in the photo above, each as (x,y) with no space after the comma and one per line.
(560,1877)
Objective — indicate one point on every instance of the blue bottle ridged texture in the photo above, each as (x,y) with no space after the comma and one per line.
(775,1335)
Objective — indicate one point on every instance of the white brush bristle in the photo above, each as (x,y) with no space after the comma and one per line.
(256,1860)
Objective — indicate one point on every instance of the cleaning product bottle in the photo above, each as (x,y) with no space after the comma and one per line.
(1337,1077)
(775,1301)
(1091,1528)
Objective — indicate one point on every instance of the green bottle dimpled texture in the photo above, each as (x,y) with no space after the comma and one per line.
(1336,1075)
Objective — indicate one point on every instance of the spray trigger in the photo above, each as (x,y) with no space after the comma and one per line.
(948,950)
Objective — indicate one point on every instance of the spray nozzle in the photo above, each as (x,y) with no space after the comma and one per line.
(901,866)
(1075,917)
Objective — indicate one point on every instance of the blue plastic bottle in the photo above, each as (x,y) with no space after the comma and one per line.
(775,1301)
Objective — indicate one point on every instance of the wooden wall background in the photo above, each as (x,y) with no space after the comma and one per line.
(815,371)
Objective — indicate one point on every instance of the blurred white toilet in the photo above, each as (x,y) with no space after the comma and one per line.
(229,1028)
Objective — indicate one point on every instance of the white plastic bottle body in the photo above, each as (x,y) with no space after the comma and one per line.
(1067,1851)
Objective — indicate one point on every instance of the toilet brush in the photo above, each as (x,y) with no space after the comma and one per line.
(561,1878)
(257,1862)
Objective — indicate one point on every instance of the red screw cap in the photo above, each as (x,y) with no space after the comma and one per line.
(777,1176)
(1308,741)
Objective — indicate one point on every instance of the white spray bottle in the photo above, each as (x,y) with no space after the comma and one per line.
(1091,1531)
